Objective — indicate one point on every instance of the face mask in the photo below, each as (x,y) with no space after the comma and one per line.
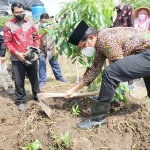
(116,3)
(142,16)
(88,51)
(20,17)
(44,25)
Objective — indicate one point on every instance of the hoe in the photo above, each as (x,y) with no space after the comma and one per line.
(45,106)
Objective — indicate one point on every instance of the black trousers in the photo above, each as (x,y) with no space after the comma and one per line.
(19,71)
(126,69)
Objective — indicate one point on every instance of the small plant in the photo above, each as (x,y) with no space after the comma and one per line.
(25,136)
(52,148)
(148,113)
(61,143)
(65,139)
(36,145)
(120,93)
(99,127)
(148,100)
(75,110)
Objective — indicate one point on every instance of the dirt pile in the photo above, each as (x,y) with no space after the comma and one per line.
(128,125)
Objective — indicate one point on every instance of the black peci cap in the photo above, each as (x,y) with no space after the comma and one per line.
(78,33)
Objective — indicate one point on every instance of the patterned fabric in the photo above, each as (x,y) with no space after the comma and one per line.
(114,44)
(2,46)
(124,17)
(47,45)
(18,36)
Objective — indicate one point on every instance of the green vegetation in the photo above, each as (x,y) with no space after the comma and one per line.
(36,145)
(3,20)
(63,142)
(75,110)
(135,4)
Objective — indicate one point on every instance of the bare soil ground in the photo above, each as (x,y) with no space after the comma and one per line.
(128,126)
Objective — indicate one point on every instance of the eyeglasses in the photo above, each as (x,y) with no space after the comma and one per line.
(18,12)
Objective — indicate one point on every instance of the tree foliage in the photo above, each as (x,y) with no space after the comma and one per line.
(135,3)
(96,13)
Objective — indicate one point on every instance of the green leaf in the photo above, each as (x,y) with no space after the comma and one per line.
(125,99)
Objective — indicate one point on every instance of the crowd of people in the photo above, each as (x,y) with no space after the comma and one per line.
(18,34)
(125,44)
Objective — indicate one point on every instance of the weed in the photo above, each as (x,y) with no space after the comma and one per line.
(36,145)
(75,110)
(65,139)
(120,93)
(148,113)
(148,100)
(25,137)
(52,148)
(99,127)
(61,143)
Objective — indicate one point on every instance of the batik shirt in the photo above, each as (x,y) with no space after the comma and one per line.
(124,17)
(114,44)
(47,45)
(18,36)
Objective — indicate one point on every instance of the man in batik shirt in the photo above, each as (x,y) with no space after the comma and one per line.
(128,52)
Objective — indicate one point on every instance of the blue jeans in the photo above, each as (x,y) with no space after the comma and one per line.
(42,69)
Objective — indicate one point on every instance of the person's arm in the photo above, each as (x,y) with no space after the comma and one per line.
(8,40)
(78,86)
(90,74)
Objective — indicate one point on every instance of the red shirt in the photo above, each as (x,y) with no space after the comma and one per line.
(18,36)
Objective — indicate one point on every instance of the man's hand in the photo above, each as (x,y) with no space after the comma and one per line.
(20,56)
(69,93)
(78,86)
(3,59)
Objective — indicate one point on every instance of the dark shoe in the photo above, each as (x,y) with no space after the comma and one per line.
(98,116)
(21,107)
(62,80)
(35,98)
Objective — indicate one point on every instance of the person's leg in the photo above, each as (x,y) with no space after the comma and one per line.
(32,72)
(6,76)
(1,83)
(18,69)
(126,69)
(147,84)
(42,71)
(135,66)
(1,75)
(56,69)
